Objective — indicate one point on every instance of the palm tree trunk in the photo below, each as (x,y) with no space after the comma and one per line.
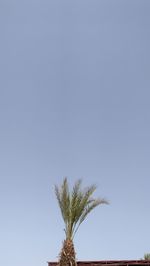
(67,256)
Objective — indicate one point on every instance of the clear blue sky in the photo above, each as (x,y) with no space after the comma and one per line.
(75,102)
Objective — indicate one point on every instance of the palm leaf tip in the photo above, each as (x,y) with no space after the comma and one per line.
(103,201)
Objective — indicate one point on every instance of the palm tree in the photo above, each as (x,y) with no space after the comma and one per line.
(75,205)
(147,256)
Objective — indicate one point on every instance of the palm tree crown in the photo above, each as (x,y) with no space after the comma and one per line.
(75,205)
(147,256)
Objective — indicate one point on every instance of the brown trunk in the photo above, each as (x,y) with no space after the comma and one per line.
(67,255)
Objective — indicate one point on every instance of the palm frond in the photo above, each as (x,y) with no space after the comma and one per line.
(90,207)
(76,197)
(58,196)
(63,197)
(85,196)
(75,194)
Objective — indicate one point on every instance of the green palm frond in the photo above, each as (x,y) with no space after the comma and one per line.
(91,204)
(75,195)
(90,207)
(82,203)
(63,197)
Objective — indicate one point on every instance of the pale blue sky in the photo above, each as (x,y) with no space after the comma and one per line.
(74,101)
